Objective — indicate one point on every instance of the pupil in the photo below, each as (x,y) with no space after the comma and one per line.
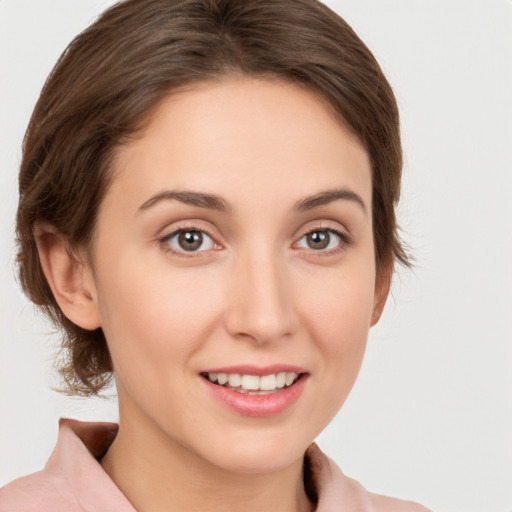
(190,240)
(318,239)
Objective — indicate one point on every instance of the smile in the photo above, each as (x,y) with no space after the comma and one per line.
(256,392)
(253,384)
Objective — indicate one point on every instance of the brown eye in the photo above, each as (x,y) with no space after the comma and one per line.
(318,239)
(321,239)
(189,240)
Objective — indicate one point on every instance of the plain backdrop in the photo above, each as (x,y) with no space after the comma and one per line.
(430,417)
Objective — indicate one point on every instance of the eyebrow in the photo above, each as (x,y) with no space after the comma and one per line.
(209,201)
(213,202)
(328,196)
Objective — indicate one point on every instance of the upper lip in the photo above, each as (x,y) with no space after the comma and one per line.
(250,369)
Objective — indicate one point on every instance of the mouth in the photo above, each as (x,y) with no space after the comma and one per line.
(249,384)
(256,392)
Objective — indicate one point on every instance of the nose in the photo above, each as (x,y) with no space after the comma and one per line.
(260,299)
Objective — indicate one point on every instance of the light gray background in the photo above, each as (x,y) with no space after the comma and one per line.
(431,415)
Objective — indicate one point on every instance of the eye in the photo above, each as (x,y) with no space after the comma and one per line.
(188,240)
(322,240)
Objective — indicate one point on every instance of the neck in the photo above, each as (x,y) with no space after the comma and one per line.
(155,473)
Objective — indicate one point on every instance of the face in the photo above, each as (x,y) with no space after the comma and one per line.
(235,244)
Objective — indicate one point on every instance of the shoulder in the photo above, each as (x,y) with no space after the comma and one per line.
(335,491)
(41,491)
(72,480)
(387,504)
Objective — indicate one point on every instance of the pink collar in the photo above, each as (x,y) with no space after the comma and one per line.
(74,481)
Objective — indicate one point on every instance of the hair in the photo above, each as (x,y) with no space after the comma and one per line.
(113,75)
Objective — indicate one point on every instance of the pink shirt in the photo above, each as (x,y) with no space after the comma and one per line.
(74,481)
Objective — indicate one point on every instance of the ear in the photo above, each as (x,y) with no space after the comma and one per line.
(382,286)
(70,280)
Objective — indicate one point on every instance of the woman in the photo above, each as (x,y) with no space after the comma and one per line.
(207,200)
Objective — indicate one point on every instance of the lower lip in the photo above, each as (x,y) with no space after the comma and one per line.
(262,406)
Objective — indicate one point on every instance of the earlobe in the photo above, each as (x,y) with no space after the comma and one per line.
(70,280)
(382,287)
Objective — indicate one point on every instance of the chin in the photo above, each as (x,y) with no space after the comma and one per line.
(256,462)
(259,452)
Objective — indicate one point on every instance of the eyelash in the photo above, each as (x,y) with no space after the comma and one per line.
(345,241)
(164,241)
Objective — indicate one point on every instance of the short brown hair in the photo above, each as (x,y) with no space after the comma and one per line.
(115,72)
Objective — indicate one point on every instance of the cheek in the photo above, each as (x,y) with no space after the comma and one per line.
(342,306)
(153,318)
(339,317)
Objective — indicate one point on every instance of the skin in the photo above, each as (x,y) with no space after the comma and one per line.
(255,292)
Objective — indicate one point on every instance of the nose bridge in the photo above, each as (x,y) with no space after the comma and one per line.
(261,306)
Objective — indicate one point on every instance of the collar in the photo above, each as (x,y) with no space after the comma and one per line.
(81,445)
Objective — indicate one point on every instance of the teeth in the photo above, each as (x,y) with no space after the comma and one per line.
(250,382)
(235,380)
(290,378)
(247,383)
(268,382)
(221,377)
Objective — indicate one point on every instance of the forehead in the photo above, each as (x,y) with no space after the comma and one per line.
(258,136)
